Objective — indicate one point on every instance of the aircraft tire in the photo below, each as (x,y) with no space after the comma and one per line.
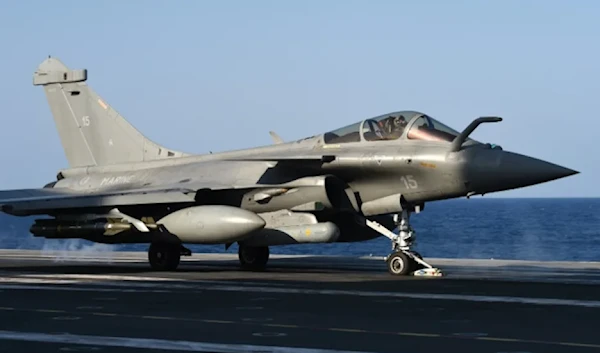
(253,258)
(164,257)
(400,264)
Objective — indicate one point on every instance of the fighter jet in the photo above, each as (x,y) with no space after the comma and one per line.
(351,184)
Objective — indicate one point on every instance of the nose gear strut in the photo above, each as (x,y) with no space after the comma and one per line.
(403,261)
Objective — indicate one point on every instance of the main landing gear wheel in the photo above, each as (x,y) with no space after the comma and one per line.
(164,257)
(403,261)
(253,258)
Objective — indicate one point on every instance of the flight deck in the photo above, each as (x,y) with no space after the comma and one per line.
(112,302)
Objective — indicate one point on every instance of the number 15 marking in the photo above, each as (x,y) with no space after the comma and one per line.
(409,182)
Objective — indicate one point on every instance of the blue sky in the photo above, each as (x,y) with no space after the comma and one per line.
(199,75)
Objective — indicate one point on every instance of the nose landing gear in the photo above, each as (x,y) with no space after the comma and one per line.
(404,261)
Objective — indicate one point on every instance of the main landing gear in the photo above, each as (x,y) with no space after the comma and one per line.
(403,261)
(253,257)
(166,256)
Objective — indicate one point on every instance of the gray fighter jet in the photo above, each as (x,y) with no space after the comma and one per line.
(351,184)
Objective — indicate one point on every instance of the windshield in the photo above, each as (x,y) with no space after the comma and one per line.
(393,126)
(429,129)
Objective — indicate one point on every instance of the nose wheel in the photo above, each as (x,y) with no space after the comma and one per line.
(403,261)
(399,264)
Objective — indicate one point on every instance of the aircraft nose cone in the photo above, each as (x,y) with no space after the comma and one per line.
(501,170)
(523,171)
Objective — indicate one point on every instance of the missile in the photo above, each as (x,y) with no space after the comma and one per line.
(322,232)
(61,229)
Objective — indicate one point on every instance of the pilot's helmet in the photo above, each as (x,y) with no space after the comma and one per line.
(400,121)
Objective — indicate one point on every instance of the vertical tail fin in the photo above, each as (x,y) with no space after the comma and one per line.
(92,133)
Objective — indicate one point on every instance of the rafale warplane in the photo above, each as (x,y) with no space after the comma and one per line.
(351,184)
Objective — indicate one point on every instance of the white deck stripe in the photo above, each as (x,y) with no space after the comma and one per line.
(80,289)
(329,259)
(96,277)
(146,343)
(138,287)
(433,296)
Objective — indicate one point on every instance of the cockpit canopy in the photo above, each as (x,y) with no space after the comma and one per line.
(409,125)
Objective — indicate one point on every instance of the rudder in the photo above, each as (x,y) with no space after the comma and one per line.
(92,133)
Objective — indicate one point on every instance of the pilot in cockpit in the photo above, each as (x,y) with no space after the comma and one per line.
(393,126)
